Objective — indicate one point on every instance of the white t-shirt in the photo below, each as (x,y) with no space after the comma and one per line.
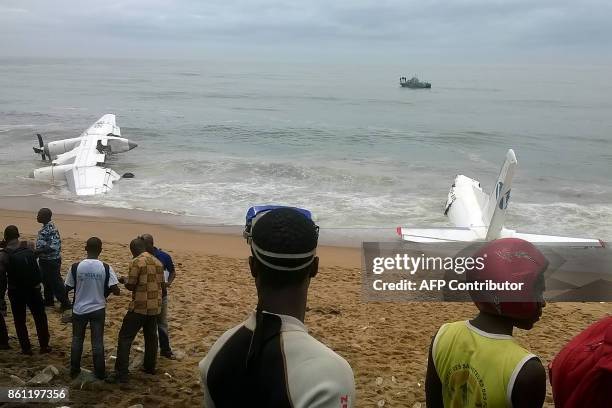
(310,374)
(89,289)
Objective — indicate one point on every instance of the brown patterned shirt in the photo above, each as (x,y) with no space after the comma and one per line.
(147,273)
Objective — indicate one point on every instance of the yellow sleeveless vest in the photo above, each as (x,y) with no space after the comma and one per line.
(476,368)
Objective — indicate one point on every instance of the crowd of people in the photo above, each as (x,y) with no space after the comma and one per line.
(270,360)
(31,274)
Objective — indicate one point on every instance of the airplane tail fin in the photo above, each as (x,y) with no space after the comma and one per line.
(495,212)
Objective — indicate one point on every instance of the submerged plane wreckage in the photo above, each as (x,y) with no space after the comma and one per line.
(480,217)
(79,161)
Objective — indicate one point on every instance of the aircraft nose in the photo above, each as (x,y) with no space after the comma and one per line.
(131,145)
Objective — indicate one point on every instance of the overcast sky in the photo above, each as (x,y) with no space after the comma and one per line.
(444,30)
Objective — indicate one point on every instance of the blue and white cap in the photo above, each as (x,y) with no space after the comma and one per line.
(287,236)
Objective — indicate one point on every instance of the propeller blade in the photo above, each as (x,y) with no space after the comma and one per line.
(41,150)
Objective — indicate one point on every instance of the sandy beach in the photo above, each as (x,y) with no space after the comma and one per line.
(385,343)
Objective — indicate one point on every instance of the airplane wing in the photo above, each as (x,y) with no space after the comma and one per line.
(104,126)
(433,235)
(438,235)
(557,240)
(86,177)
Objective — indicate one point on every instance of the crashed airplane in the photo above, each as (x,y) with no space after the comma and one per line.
(78,161)
(480,217)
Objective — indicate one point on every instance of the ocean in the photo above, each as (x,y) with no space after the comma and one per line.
(343,140)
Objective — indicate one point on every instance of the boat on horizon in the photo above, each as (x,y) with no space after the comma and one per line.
(413,83)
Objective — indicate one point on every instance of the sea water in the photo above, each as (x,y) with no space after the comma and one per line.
(343,140)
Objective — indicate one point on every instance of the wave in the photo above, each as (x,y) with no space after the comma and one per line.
(337,198)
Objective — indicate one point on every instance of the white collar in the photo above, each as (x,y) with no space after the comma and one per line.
(487,334)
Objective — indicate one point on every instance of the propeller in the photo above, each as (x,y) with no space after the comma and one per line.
(40,150)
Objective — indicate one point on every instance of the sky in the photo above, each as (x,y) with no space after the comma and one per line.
(435,30)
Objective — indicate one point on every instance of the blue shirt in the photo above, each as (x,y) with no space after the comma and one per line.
(49,242)
(166,261)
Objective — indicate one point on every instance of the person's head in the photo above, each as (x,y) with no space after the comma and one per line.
(10,233)
(44,215)
(283,247)
(93,247)
(515,261)
(148,240)
(137,246)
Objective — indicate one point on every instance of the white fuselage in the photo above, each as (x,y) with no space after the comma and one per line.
(79,161)
(54,149)
(63,154)
(52,173)
(466,202)
(111,144)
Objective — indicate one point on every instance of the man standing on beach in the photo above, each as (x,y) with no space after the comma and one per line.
(92,280)
(169,275)
(4,338)
(48,249)
(145,281)
(18,266)
(270,360)
(477,362)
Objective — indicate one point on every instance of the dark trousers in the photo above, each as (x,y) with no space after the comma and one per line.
(79,325)
(3,332)
(53,283)
(31,297)
(132,323)
(162,327)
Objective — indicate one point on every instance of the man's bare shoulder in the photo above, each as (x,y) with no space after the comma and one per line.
(530,386)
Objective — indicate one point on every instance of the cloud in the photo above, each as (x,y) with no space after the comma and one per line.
(409,25)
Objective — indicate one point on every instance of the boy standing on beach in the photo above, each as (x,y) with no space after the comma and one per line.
(48,249)
(145,281)
(18,266)
(477,362)
(91,280)
(169,274)
(270,360)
